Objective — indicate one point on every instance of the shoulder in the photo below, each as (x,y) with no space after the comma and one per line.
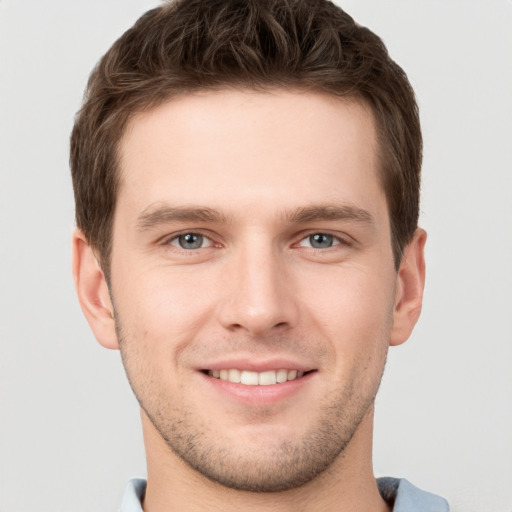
(398,492)
(133,496)
(405,497)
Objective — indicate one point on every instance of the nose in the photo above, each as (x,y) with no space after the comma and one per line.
(258,296)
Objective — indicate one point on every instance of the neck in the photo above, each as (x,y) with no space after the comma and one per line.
(348,484)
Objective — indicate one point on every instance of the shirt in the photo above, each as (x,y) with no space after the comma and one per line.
(397,492)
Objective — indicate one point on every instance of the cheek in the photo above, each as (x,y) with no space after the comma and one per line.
(352,307)
(156,319)
(165,306)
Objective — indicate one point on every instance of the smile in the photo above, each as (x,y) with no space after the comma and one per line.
(250,378)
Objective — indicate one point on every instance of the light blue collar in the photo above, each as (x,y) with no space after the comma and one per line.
(405,496)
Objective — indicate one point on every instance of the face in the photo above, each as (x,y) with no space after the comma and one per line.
(253,280)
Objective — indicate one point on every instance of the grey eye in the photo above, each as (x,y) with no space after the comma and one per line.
(321,241)
(190,241)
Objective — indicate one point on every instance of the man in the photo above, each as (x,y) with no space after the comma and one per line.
(246,179)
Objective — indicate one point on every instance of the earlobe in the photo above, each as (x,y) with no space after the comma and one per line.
(409,289)
(93,294)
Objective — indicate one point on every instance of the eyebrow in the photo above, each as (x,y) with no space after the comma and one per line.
(329,212)
(156,215)
(161,214)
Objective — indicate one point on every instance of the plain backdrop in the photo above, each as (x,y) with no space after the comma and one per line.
(70,435)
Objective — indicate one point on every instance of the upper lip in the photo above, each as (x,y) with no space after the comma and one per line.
(257,365)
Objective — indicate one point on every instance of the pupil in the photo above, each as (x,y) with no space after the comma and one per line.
(191,241)
(321,241)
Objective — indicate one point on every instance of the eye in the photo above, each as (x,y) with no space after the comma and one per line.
(320,241)
(191,241)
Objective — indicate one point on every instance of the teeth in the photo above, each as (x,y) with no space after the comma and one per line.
(234,375)
(267,378)
(282,376)
(248,378)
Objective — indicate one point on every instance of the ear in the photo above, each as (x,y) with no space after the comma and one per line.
(409,289)
(93,295)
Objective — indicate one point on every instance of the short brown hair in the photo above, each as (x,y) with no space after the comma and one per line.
(187,45)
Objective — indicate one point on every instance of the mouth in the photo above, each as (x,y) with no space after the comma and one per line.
(252,378)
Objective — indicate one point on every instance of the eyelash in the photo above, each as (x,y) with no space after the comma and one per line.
(176,237)
(337,240)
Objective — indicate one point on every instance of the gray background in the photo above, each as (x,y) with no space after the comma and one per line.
(70,435)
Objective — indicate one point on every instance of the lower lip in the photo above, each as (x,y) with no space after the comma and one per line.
(258,395)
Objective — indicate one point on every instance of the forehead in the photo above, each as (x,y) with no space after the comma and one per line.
(274,147)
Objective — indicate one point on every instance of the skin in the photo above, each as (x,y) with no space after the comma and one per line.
(256,175)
